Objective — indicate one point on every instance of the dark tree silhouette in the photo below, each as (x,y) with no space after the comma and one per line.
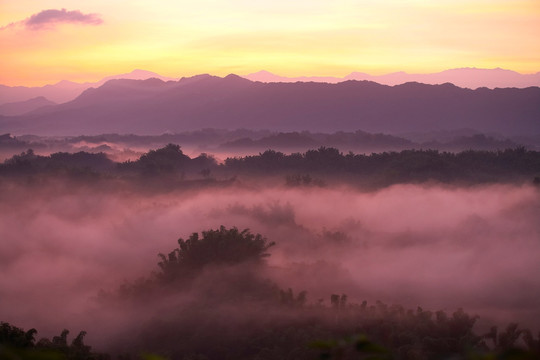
(165,160)
(15,336)
(17,344)
(222,246)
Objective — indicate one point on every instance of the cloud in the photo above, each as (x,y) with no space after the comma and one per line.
(46,19)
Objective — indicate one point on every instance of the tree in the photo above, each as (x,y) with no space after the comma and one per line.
(219,247)
(14,336)
(166,160)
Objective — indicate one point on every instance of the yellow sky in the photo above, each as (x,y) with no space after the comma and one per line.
(291,38)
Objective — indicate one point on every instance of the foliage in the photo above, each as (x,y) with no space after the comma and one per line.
(217,247)
(168,161)
(78,165)
(17,344)
(349,347)
(407,166)
(302,180)
(314,167)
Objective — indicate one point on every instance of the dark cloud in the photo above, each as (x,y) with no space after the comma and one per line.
(53,16)
(50,17)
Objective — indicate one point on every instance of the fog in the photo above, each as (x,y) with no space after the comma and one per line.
(477,248)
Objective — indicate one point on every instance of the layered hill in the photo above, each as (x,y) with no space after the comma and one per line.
(65,90)
(22,107)
(154,106)
(472,78)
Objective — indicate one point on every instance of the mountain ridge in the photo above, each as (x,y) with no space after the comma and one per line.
(473,78)
(155,107)
(22,107)
(65,90)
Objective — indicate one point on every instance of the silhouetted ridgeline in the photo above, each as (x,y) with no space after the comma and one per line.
(326,164)
(153,106)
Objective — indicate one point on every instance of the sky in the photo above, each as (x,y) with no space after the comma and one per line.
(43,42)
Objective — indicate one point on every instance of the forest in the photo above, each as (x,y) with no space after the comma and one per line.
(314,167)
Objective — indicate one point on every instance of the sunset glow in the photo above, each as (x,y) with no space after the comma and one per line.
(85,41)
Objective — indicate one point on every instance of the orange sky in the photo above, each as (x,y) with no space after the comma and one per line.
(93,39)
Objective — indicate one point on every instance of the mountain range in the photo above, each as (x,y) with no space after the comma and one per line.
(472,78)
(64,90)
(154,106)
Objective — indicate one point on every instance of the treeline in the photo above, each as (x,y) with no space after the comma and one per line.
(165,165)
(400,167)
(324,164)
(260,140)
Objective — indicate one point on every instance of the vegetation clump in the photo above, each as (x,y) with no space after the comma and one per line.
(17,344)
(218,247)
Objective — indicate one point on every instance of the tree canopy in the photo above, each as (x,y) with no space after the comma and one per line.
(219,247)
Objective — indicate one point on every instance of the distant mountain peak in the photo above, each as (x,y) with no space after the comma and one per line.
(233,78)
(262,72)
(195,78)
(64,83)
(137,74)
(26,106)
(144,73)
(153,81)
